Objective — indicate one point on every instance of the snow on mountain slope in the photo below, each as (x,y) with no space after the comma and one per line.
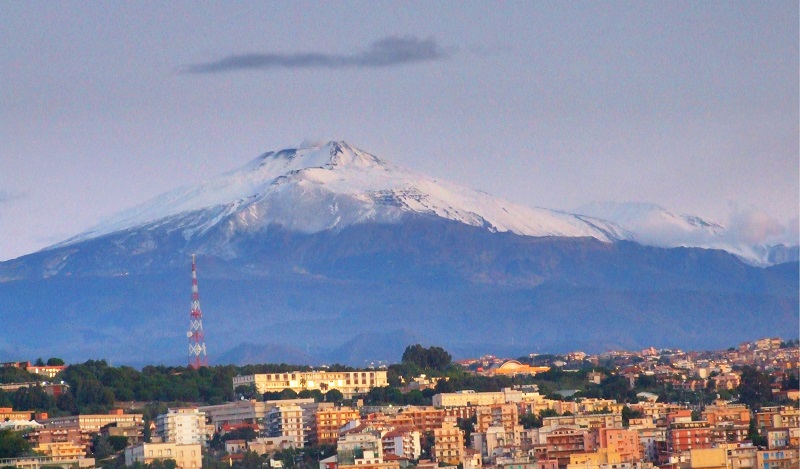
(331,186)
(653,225)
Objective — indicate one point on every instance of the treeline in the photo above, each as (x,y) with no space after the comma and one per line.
(96,387)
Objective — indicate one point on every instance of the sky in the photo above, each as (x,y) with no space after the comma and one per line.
(689,105)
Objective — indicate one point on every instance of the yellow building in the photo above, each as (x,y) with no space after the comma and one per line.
(349,383)
(448,446)
(7,413)
(711,458)
(185,456)
(514,368)
(593,460)
(62,449)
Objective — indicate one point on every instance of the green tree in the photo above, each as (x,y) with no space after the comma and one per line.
(754,436)
(530,420)
(335,396)
(628,414)
(434,358)
(754,389)
(13,444)
(54,361)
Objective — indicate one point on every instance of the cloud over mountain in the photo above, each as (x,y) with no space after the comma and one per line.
(387,52)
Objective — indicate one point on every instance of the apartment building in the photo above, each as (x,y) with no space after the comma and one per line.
(328,421)
(448,446)
(685,436)
(623,442)
(182,426)
(424,419)
(286,420)
(402,443)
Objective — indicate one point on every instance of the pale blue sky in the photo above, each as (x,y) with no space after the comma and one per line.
(691,105)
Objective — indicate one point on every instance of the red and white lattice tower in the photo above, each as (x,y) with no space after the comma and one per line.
(197,341)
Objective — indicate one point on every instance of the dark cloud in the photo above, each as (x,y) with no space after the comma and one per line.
(387,52)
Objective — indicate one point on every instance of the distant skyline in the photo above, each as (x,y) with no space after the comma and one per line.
(692,106)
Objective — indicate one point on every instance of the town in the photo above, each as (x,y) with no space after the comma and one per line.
(727,409)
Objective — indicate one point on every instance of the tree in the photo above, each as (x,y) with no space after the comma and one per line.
(434,358)
(754,389)
(13,445)
(101,447)
(754,436)
(53,361)
(467,426)
(335,396)
(628,414)
(530,420)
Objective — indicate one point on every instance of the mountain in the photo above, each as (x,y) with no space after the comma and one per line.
(332,186)
(653,225)
(327,253)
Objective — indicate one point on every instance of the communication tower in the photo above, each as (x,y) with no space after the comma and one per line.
(197,340)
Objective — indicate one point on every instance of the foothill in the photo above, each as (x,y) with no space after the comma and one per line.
(655,408)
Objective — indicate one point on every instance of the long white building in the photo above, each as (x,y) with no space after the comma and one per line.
(349,383)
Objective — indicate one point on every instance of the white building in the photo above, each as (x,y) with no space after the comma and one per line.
(182,426)
(287,421)
(185,456)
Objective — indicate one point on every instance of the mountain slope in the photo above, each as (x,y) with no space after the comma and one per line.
(653,225)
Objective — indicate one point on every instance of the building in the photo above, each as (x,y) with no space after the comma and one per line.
(513,368)
(562,442)
(730,414)
(185,456)
(497,415)
(73,436)
(65,449)
(286,420)
(448,446)
(777,459)
(245,412)
(352,446)
(48,371)
(402,443)
(469,398)
(424,419)
(611,420)
(183,426)
(8,413)
(134,433)
(48,462)
(687,436)
(94,422)
(349,383)
(623,442)
(327,423)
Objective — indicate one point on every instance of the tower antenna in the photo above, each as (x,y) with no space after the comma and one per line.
(197,340)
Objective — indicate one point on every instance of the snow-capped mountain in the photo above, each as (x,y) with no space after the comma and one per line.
(653,225)
(332,186)
(324,250)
